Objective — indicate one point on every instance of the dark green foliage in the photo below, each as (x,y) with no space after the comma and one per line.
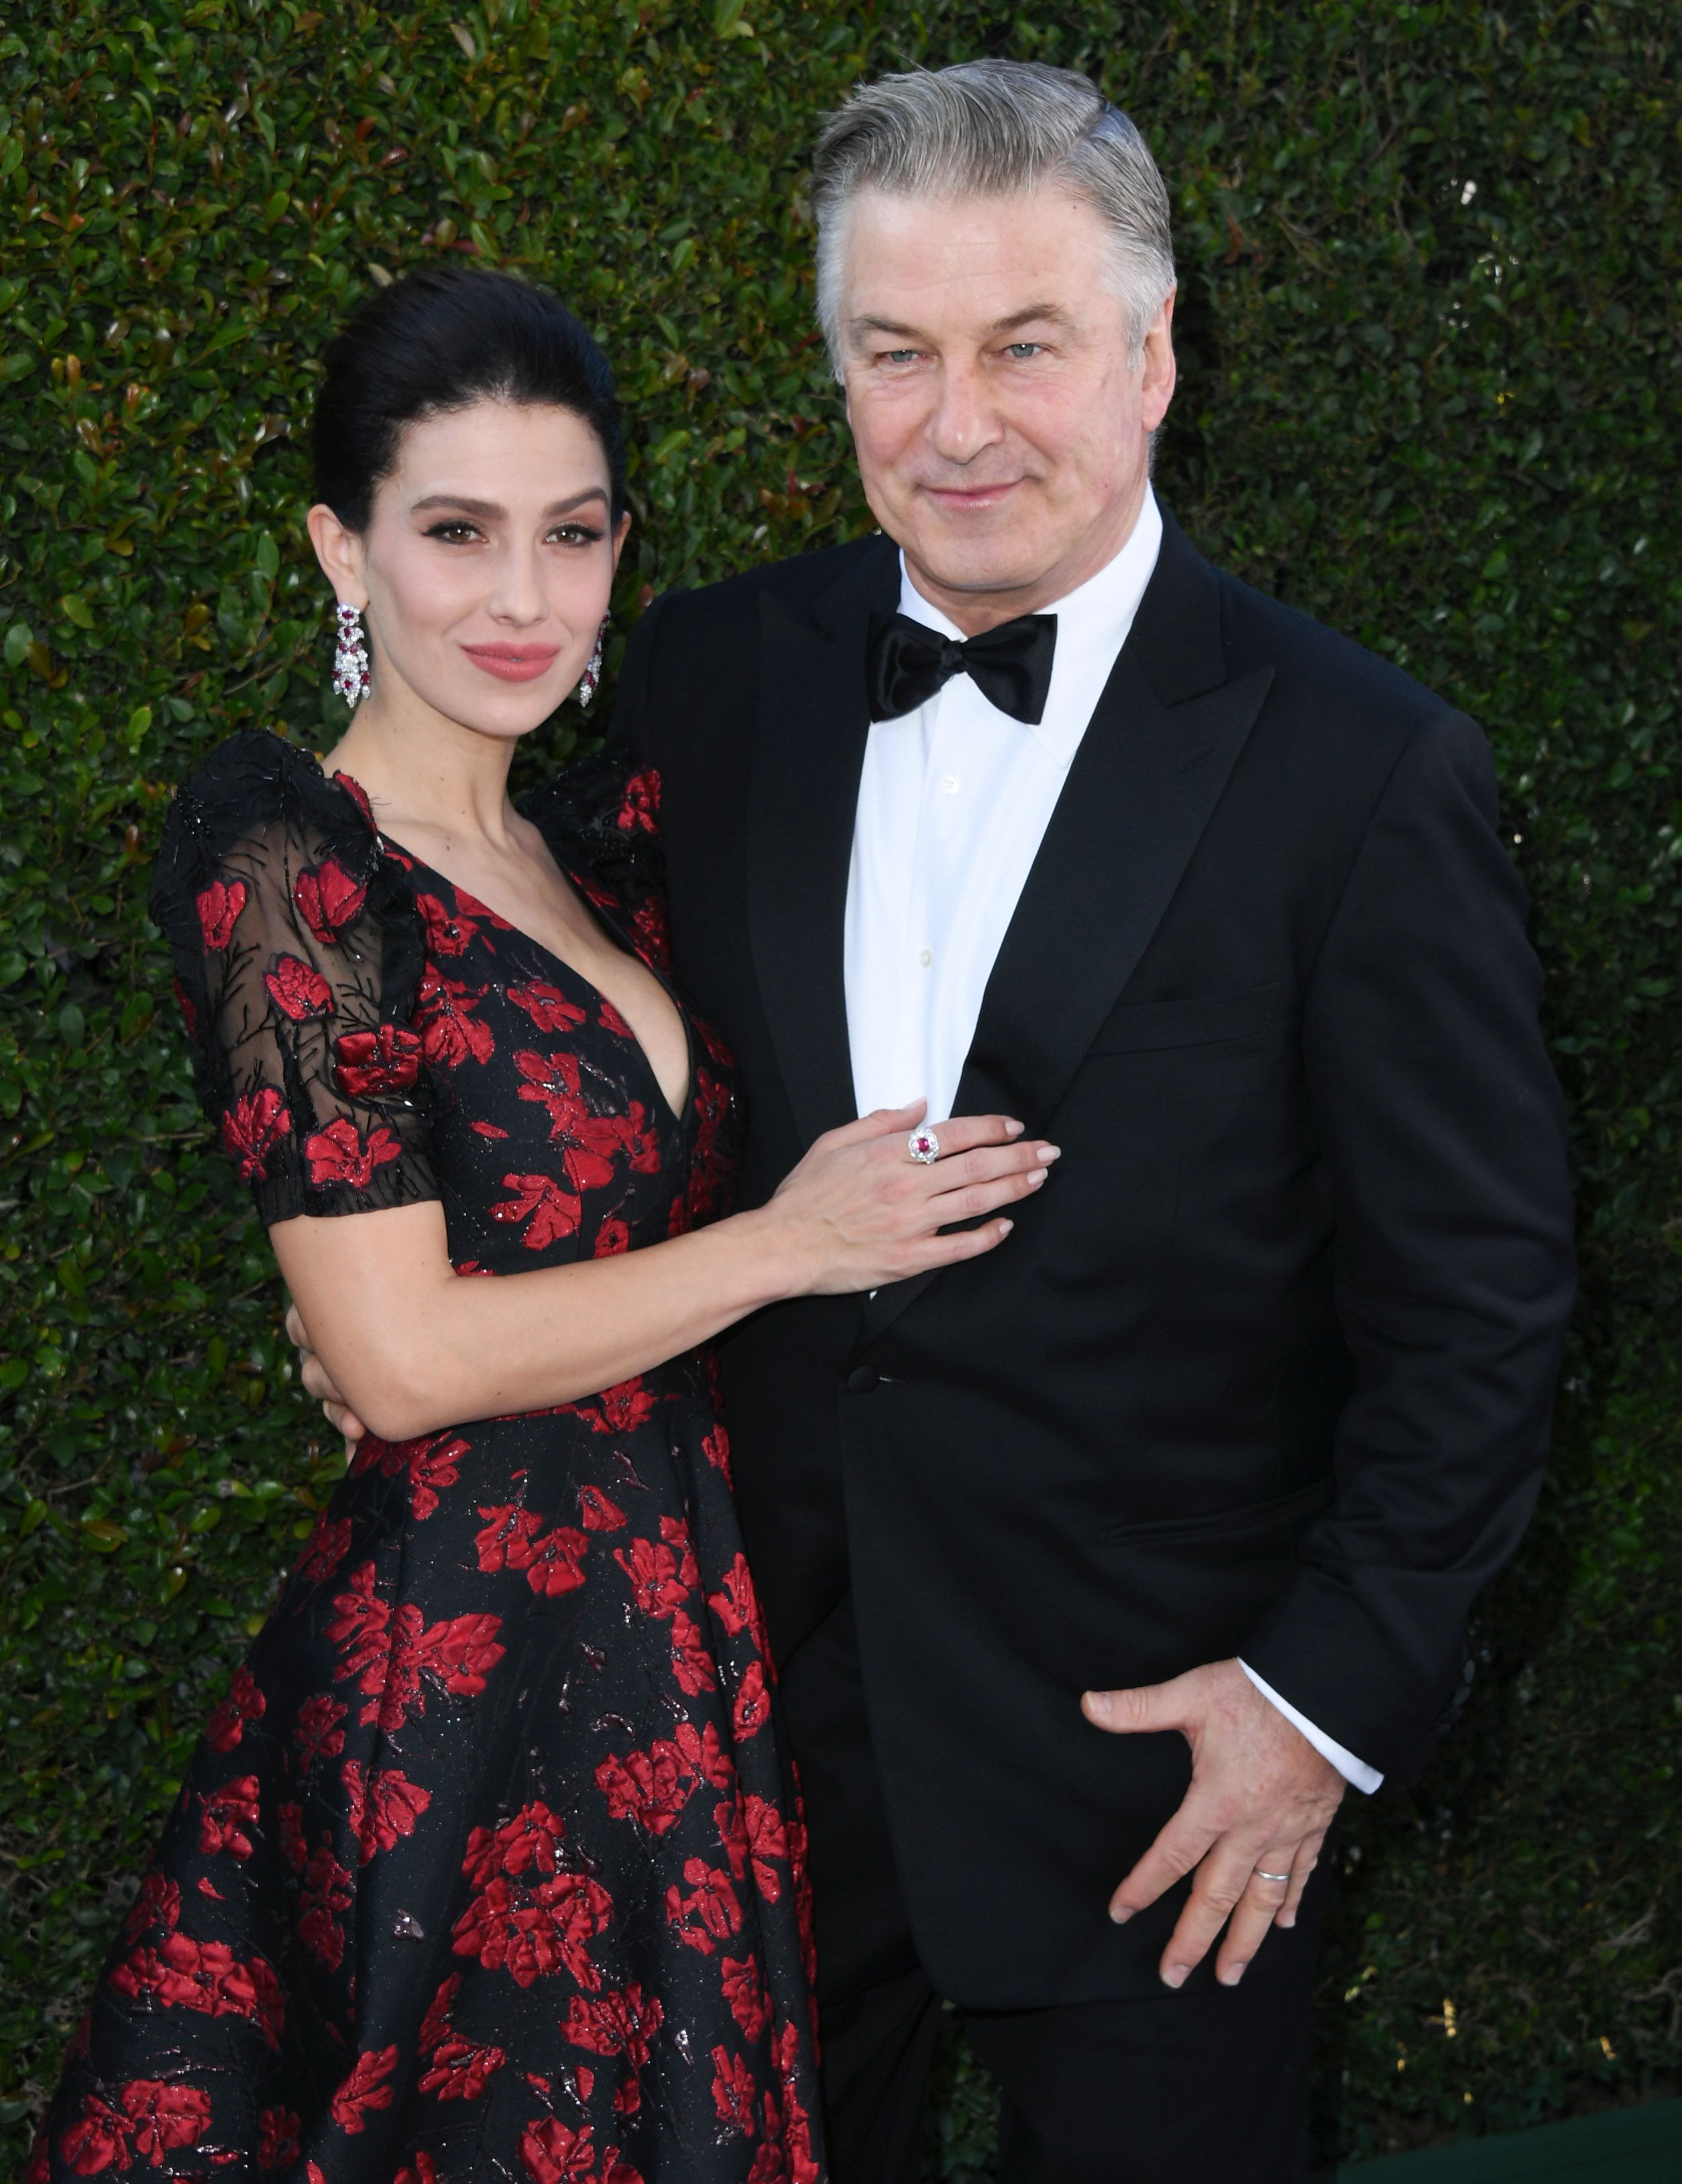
(1437,415)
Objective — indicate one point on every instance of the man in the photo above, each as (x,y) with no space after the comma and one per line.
(1097,1568)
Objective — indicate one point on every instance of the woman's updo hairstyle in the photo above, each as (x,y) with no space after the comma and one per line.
(440,339)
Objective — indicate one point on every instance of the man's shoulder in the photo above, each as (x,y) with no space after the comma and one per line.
(798,579)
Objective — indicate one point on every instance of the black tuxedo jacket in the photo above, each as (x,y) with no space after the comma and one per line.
(1266,1367)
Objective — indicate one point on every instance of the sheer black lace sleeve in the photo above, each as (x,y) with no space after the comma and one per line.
(297,952)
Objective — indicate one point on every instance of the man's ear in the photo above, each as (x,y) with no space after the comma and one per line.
(339,551)
(1158,371)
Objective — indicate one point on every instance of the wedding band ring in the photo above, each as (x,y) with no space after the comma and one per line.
(924,1147)
(1282,1878)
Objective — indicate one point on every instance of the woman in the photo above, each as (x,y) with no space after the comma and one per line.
(489,1862)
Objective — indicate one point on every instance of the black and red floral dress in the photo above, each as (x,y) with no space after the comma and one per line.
(488,1865)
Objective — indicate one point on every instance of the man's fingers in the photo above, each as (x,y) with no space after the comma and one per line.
(1147,1706)
(1265,1895)
(1182,1844)
(1308,1857)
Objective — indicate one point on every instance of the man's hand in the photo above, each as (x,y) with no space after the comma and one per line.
(1261,1801)
(314,1375)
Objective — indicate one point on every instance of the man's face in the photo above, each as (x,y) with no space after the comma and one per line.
(1002,434)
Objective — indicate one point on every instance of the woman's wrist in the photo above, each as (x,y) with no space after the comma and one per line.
(774,1266)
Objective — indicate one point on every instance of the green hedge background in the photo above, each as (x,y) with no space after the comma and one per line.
(1428,333)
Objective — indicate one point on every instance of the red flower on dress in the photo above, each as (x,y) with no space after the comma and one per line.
(252,1128)
(554,2154)
(650,934)
(449,932)
(597,1513)
(373,1064)
(612,1238)
(208,1978)
(359,796)
(364,2089)
(387,1811)
(298,990)
(151,2118)
(244,1703)
(530,1932)
(710,1913)
(530,1843)
(319,1734)
(745,1993)
(655,1583)
(618,2023)
(737,1604)
(557,1561)
(504,1541)
(715,1447)
(340,1154)
(460,2071)
(423,2169)
(553,1212)
(328,1546)
(752,1709)
(639,808)
(548,1007)
(589,1142)
(432,1465)
(328,899)
(733,2092)
(691,1662)
(293,1848)
(218,908)
(277,2130)
(450,1033)
(617,1410)
(158,1904)
(323,1898)
(388,1654)
(228,1813)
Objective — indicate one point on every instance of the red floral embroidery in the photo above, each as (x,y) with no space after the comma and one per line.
(374,1065)
(733,2092)
(244,1703)
(460,2071)
(423,2169)
(432,1465)
(298,989)
(716,1446)
(228,1813)
(656,1584)
(252,1128)
(639,810)
(589,1142)
(319,1734)
(554,2154)
(597,1513)
(220,905)
(208,1978)
(710,1913)
(529,1931)
(277,2130)
(388,1654)
(612,1238)
(324,1897)
(340,1154)
(328,899)
(737,1605)
(359,796)
(328,1546)
(691,1662)
(744,1991)
(363,2089)
(548,1007)
(752,1709)
(617,2023)
(151,2118)
(158,1905)
(386,1811)
(450,1033)
(618,1410)
(449,932)
(553,1212)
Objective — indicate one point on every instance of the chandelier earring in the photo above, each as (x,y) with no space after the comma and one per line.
(350,657)
(593,672)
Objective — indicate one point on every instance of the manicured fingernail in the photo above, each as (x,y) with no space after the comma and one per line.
(1175,1975)
(1286,1918)
(1036,1176)
(1120,1913)
(1049,1153)
(1014,1129)
(1231,1975)
(1006,1227)
(1098,1703)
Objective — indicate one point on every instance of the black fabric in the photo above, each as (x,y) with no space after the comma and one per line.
(1010,665)
(489,1865)
(1267,1366)
(1206,2082)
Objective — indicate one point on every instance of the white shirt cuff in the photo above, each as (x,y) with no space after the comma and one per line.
(1354,1771)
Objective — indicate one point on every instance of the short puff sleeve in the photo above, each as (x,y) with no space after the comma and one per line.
(298,951)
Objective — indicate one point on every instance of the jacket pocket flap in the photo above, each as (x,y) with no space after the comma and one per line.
(1138,1027)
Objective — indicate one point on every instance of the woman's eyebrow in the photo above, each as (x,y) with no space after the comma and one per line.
(493,511)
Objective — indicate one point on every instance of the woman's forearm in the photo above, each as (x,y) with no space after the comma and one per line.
(415,1347)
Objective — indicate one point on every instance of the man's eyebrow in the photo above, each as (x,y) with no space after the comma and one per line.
(1027,316)
(492,510)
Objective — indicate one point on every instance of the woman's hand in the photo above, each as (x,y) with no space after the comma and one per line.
(859,1212)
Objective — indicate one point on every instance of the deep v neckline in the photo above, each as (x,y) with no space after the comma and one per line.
(678,1114)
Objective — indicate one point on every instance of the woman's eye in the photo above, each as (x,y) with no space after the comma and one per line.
(576,534)
(454,534)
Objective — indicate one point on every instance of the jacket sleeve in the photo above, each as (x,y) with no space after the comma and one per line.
(633,734)
(1443,1128)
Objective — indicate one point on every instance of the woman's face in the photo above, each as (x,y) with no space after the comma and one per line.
(486,566)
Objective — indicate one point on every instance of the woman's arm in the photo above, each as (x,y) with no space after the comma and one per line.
(412,1346)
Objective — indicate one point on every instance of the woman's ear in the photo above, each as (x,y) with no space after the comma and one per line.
(339,551)
(621,533)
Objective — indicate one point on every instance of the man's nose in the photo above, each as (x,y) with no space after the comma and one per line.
(965,418)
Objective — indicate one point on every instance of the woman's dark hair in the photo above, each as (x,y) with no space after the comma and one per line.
(437,340)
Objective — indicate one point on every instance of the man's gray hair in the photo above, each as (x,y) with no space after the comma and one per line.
(991,128)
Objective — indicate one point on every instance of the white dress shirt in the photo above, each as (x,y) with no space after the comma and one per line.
(954,802)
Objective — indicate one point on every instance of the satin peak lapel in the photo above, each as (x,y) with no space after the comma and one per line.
(813,724)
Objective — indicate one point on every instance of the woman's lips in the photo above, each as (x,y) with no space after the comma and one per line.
(514,663)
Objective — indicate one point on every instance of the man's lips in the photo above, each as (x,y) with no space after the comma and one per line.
(514,663)
(958,498)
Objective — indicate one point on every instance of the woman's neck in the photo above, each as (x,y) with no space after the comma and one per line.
(428,774)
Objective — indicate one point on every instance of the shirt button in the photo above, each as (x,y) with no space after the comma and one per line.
(925,956)
(948,784)
(863,1379)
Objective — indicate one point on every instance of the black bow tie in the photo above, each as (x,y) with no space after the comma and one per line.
(1010,665)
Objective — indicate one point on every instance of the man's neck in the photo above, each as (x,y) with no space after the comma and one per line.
(974,609)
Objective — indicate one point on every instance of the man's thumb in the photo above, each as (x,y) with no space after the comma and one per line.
(1151,1706)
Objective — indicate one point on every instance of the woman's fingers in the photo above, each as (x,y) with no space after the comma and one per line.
(961,1133)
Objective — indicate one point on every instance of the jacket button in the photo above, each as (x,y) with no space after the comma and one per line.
(862,1378)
